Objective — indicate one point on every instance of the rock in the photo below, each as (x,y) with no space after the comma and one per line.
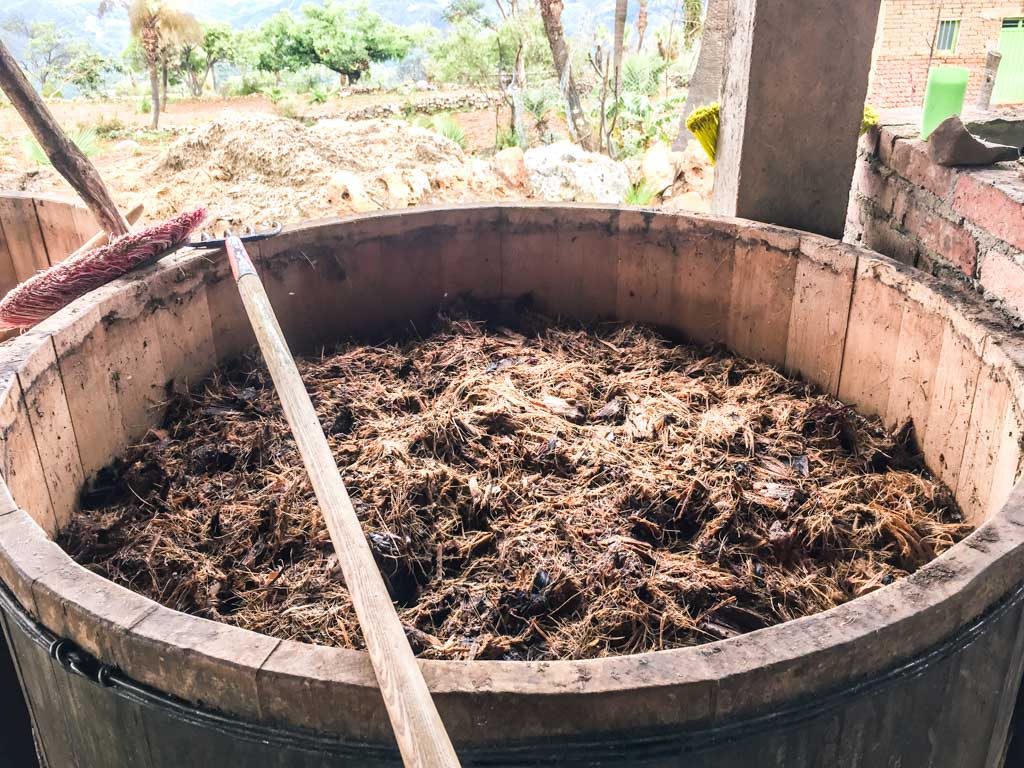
(419,184)
(692,202)
(510,165)
(399,192)
(128,147)
(345,192)
(952,144)
(659,167)
(565,172)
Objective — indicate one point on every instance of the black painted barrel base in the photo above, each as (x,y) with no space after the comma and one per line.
(91,716)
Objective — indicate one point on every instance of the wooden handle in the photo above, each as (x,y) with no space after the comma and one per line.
(65,156)
(418,729)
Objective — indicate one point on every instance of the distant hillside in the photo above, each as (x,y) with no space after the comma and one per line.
(110,34)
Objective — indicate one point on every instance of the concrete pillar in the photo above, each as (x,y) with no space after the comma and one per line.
(796,79)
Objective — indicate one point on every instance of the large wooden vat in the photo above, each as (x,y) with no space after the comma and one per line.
(924,672)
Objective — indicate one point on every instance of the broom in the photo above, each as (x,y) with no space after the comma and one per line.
(44,293)
(703,123)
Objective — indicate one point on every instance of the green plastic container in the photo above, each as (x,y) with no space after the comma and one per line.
(944,96)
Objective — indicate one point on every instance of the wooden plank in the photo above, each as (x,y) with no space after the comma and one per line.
(914,368)
(876,315)
(17,743)
(48,708)
(703,285)
(1006,472)
(822,291)
(182,316)
(8,275)
(533,264)
(23,236)
(956,381)
(20,464)
(47,409)
(647,267)
(991,408)
(82,352)
(59,228)
(108,729)
(471,257)
(761,299)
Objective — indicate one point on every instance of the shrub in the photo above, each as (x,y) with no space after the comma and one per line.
(318,95)
(641,193)
(108,127)
(448,126)
(507,137)
(145,105)
(84,138)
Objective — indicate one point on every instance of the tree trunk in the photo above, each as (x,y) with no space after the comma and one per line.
(163,96)
(641,25)
(551,13)
(621,10)
(709,76)
(154,87)
(516,92)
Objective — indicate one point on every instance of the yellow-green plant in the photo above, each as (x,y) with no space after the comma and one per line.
(84,138)
(703,124)
(870,120)
(642,193)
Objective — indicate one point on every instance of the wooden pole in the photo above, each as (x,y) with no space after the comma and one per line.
(989,83)
(68,159)
(418,729)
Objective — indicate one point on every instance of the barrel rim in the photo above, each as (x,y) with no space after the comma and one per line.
(245,669)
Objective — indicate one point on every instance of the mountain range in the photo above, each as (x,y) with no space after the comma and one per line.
(110,34)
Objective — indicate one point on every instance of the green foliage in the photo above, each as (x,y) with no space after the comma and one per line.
(507,137)
(246,85)
(444,124)
(110,127)
(870,120)
(641,74)
(641,193)
(539,103)
(318,95)
(275,94)
(84,138)
(88,70)
(467,55)
(346,38)
(145,105)
(276,46)
(458,11)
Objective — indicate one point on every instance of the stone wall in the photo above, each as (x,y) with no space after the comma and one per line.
(963,224)
(906,34)
(430,105)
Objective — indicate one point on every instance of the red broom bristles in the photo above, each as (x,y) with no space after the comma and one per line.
(46,292)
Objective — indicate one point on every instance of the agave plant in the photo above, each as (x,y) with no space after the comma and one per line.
(85,139)
(642,193)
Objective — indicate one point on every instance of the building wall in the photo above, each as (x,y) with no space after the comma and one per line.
(906,34)
(962,224)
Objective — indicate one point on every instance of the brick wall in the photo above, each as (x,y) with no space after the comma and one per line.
(962,224)
(906,34)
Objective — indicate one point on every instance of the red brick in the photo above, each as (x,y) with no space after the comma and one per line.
(950,241)
(910,160)
(991,208)
(1003,277)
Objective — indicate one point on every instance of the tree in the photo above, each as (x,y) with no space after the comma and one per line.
(346,38)
(198,59)
(458,11)
(621,10)
(551,13)
(158,27)
(88,70)
(276,46)
(48,55)
(467,55)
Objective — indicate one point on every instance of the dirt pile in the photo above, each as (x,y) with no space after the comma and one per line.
(549,493)
(258,168)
